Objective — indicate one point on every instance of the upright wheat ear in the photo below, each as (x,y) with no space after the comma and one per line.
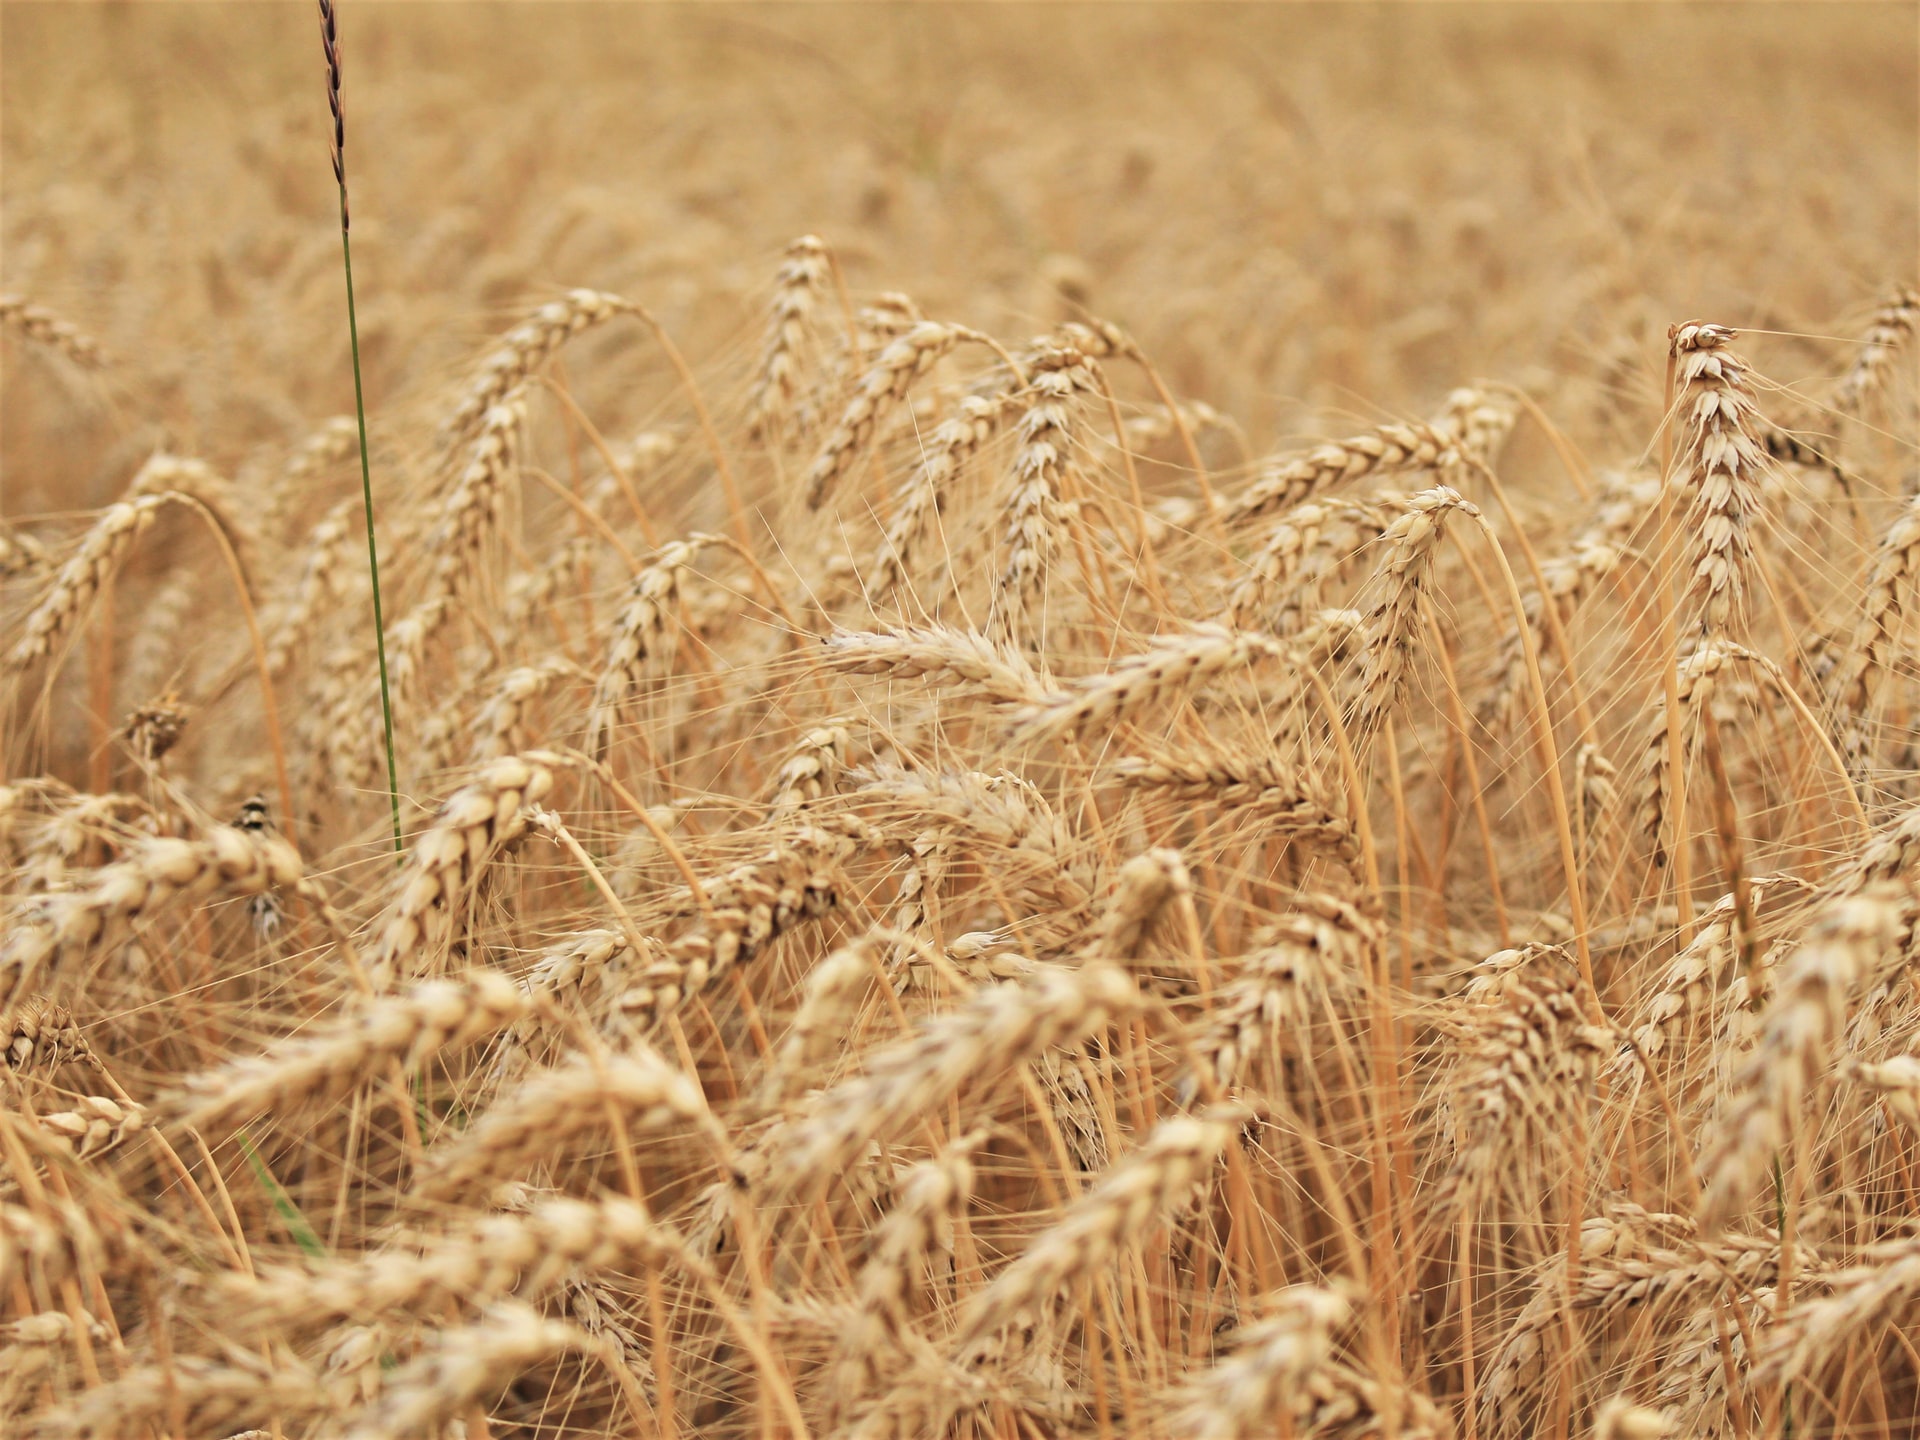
(1723,465)
(797,290)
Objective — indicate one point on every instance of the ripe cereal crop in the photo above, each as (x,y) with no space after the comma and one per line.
(1106,722)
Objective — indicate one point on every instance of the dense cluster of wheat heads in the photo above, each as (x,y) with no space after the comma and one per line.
(954,884)
(1320,950)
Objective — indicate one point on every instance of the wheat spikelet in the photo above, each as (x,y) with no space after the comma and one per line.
(1675,1279)
(335,439)
(162,475)
(1142,890)
(42,1035)
(943,459)
(499,728)
(467,1363)
(471,509)
(812,769)
(1237,1396)
(569,965)
(1283,484)
(350,704)
(113,898)
(101,551)
(1175,664)
(1283,580)
(214,1397)
(875,1339)
(1519,1366)
(747,909)
(58,1239)
(1275,991)
(1533,1056)
(831,993)
(1879,1291)
(885,385)
(999,811)
(43,327)
(326,552)
(640,631)
(1134,1196)
(1890,333)
(941,654)
(489,812)
(1032,508)
(98,1125)
(1478,421)
(998,1028)
(1620,1419)
(1699,673)
(413,1027)
(1874,646)
(33,1344)
(1687,982)
(522,351)
(1397,585)
(1792,1051)
(20,554)
(546,1108)
(1896,1082)
(1277,794)
(498,1256)
(797,288)
(1570,578)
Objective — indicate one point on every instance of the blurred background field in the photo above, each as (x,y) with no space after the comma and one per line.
(1309,215)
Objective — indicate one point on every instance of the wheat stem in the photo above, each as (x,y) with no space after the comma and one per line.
(330,42)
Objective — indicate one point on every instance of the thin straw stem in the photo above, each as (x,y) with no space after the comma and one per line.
(329,40)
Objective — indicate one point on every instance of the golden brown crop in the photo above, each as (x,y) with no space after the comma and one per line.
(1109,723)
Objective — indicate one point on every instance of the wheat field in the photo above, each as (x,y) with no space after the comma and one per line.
(1106,721)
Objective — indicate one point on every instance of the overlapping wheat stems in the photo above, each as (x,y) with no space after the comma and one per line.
(330,44)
